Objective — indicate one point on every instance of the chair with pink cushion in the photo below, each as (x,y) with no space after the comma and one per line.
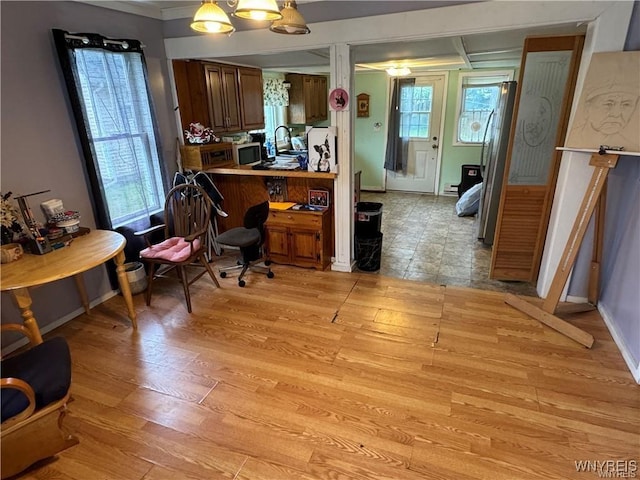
(187,212)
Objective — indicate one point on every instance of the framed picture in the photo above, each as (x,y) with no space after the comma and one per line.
(319,198)
(363,105)
(321,142)
(338,99)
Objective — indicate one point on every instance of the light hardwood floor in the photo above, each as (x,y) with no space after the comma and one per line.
(325,375)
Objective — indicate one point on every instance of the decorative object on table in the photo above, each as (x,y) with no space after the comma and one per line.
(11,225)
(322,149)
(319,198)
(303,160)
(277,189)
(338,99)
(198,134)
(363,105)
(69,221)
(10,252)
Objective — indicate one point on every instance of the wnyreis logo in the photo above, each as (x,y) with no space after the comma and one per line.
(609,468)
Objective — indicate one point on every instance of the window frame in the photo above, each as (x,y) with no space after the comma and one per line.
(509,74)
(417,84)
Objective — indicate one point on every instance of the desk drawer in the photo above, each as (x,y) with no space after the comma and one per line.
(311,220)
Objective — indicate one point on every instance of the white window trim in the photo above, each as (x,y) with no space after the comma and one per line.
(461,77)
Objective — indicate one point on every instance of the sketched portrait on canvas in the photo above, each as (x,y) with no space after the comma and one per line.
(608,112)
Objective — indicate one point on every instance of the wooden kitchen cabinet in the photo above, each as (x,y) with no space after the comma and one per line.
(251,98)
(300,238)
(224,97)
(308,100)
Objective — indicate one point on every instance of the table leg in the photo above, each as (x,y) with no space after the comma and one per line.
(79,278)
(125,288)
(23,300)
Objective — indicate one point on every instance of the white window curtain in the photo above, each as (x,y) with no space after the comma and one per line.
(275,93)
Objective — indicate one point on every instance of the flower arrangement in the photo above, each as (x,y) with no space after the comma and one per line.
(9,219)
(198,133)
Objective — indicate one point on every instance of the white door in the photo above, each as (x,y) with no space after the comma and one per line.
(421,109)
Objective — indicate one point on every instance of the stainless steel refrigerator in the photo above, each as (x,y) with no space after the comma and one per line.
(492,161)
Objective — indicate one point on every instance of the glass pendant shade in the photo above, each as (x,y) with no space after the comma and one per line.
(210,18)
(257,10)
(292,22)
(398,72)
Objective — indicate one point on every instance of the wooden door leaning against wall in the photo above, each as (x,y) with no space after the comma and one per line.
(539,125)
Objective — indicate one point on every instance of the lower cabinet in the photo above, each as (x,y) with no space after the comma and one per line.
(300,238)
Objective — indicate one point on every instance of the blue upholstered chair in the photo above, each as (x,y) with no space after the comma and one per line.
(35,392)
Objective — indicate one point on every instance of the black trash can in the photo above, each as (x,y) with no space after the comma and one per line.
(369,252)
(368,219)
(471,174)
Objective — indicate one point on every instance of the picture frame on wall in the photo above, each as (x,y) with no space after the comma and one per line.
(319,198)
(321,143)
(363,105)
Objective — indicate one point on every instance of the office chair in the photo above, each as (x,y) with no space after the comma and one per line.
(187,214)
(35,392)
(249,239)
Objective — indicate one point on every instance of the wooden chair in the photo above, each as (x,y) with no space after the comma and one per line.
(187,214)
(35,391)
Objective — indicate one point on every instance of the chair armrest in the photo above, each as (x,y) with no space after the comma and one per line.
(193,236)
(146,232)
(149,230)
(17,327)
(28,392)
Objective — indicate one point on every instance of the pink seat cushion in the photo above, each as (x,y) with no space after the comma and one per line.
(173,249)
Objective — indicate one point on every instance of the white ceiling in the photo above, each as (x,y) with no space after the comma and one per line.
(487,50)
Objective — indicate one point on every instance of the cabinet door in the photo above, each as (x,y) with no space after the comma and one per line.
(231,97)
(277,243)
(305,247)
(215,100)
(191,92)
(323,99)
(251,98)
(308,99)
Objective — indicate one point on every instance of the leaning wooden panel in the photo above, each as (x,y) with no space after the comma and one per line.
(39,437)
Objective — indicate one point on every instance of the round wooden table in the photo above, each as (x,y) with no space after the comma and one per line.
(84,253)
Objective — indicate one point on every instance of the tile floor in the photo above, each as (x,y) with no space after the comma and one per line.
(424,239)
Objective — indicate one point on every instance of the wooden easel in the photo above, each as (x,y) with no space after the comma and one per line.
(593,200)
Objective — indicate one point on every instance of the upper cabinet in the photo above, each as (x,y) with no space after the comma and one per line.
(251,98)
(308,100)
(224,97)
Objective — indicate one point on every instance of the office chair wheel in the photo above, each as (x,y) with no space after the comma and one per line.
(241,283)
(223,274)
(270,275)
(267,262)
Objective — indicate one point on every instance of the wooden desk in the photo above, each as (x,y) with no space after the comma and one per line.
(84,253)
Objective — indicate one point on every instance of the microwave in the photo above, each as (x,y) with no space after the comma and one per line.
(247,153)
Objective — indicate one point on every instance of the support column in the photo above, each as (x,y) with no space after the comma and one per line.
(342,77)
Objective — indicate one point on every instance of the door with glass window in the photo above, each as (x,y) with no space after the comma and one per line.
(420,114)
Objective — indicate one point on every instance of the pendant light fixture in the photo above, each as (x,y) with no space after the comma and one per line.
(398,72)
(210,18)
(292,22)
(257,10)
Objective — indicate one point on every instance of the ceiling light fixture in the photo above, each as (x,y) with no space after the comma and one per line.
(292,22)
(398,72)
(257,10)
(210,18)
